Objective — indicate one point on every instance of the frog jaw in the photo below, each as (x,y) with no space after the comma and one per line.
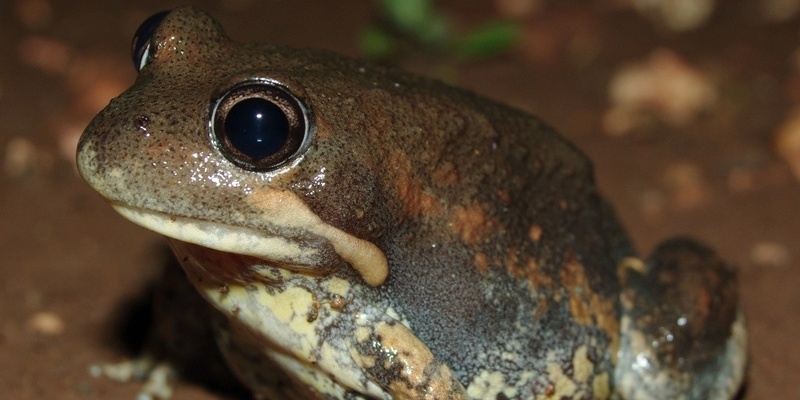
(326,251)
(230,239)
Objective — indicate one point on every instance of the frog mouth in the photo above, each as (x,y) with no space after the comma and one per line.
(320,249)
(226,238)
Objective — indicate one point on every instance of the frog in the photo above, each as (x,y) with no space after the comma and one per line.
(363,232)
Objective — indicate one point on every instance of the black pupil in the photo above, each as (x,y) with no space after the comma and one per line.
(257,128)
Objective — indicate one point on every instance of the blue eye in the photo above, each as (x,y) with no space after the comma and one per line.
(259,125)
(140,48)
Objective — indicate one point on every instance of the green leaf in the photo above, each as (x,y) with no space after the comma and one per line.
(408,15)
(488,40)
(434,32)
(375,43)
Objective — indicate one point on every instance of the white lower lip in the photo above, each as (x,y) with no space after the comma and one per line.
(216,236)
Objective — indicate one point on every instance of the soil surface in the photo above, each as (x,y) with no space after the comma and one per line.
(71,268)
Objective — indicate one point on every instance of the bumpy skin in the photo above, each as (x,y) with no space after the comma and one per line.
(428,243)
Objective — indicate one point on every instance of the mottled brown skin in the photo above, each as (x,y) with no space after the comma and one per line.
(502,256)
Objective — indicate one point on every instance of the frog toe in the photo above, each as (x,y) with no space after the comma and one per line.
(683,333)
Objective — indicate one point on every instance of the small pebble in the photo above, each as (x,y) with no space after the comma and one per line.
(787,142)
(665,86)
(46,323)
(21,158)
(675,15)
(770,254)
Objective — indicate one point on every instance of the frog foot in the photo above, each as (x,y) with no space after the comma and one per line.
(157,376)
(683,333)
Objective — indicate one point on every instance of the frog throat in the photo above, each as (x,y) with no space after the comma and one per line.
(366,258)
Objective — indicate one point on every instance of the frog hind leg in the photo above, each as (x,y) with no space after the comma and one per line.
(683,334)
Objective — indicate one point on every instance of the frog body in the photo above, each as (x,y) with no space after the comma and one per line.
(395,237)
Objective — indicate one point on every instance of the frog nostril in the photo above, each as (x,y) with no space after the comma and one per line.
(259,125)
(141,122)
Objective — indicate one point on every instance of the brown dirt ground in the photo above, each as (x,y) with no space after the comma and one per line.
(70,265)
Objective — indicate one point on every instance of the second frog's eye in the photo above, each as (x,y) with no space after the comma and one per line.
(141,50)
(259,125)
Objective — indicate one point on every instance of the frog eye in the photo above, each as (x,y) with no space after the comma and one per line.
(140,48)
(259,125)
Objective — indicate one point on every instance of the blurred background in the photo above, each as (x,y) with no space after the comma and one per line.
(690,110)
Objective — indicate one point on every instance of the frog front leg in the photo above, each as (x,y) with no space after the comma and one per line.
(399,362)
(379,358)
(331,336)
(387,355)
(683,333)
(359,349)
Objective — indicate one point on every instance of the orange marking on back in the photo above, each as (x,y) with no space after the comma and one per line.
(413,199)
(471,223)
